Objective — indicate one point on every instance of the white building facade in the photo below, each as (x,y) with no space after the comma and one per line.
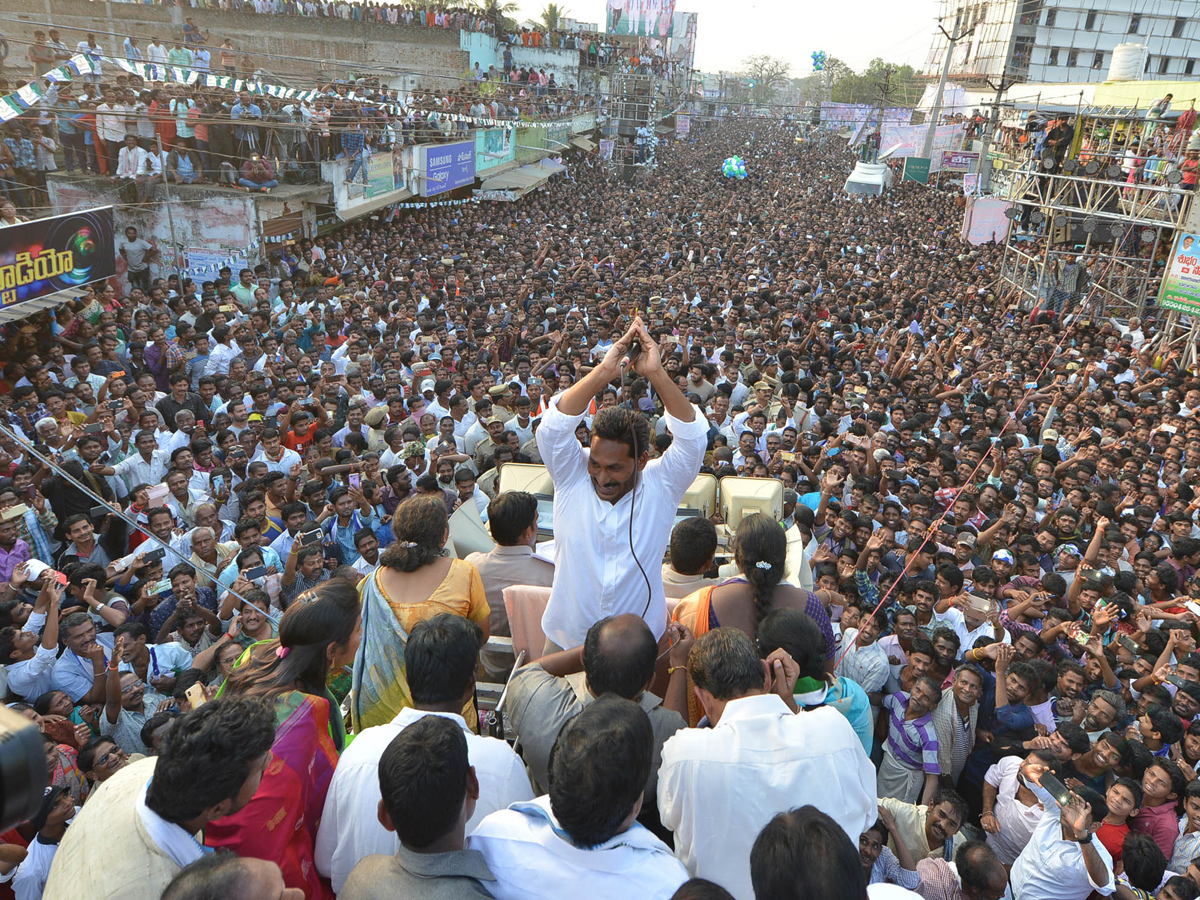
(1056,42)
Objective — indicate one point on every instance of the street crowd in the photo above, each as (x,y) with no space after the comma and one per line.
(958,661)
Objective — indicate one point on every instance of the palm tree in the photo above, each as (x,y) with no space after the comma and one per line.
(552,16)
(498,12)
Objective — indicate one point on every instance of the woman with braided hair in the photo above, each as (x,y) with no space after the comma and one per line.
(743,601)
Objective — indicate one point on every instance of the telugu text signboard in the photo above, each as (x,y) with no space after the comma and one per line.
(960,160)
(1181,283)
(58,253)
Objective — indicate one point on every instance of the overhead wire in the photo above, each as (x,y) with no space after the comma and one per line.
(60,472)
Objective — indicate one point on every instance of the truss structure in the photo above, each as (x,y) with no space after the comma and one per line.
(1088,208)
(632,103)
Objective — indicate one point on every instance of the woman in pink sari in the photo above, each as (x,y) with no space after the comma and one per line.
(318,635)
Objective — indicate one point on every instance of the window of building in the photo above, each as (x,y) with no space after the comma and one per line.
(1089,23)
(1072,58)
(1164,63)
(1146,68)
(1177,29)
(1052,15)
(1189,67)
(1022,53)
(1052,59)
(1030,12)
(1135,22)
(1098,60)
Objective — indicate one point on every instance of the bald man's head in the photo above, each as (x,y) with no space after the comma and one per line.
(619,654)
(224,875)
(983,876)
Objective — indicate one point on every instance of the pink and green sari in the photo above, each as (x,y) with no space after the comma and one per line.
(280,822)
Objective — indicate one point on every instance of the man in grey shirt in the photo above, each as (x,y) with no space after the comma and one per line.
(137,253)
(428,790)
(618,656)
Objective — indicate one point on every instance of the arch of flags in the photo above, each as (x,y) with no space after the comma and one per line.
(82,65)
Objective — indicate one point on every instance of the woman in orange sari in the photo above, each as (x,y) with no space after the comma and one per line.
(318,635)
(414,581)
(760,553)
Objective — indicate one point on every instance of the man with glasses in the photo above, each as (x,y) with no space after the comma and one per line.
(127,704)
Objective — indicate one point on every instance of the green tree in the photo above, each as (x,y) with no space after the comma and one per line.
(552,16)
(863,87)
(764,74)
(499,13)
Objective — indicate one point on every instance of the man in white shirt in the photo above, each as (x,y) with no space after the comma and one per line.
(223,351)
(582,840)
(277,457)
(620,505)
(147,466)
(131,170)
(29,660)
(1063,860)
(760,758)
(1015,808)
(440,658)
(156,52)
(864,661)
(110,128)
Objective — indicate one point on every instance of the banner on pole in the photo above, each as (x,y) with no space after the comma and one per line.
(640,18)
(1181,283)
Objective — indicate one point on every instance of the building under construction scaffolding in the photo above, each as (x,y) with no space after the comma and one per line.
(1105,188)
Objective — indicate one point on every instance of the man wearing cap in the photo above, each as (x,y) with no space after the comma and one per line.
(964,551)
(500,394)
(485,448)
(613,506)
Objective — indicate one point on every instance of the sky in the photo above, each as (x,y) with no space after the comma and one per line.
(730,30)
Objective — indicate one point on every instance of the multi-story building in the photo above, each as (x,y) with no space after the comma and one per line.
(1070,41)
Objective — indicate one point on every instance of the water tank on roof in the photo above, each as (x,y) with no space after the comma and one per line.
(1128,60)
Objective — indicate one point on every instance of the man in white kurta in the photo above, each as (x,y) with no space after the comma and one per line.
(599,513)
(759,760)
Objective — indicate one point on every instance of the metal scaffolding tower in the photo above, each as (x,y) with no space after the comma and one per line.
(1080,201)
(632,110)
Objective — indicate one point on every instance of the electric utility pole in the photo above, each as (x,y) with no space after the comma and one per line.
(936,112)
(985,165)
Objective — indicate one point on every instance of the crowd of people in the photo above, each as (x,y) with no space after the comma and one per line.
(243,139)
(960,661)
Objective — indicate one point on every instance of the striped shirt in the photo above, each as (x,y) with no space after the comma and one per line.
(912,742)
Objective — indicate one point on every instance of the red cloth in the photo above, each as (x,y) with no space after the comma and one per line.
(280,822)
(1113,839)
(1161,823)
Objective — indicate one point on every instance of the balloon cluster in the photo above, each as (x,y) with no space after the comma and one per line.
(818,58)
(734,167)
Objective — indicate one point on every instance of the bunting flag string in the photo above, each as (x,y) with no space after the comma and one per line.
(82,65)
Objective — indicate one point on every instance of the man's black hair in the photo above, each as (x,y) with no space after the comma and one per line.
(208,755)
(693,543)
(440,658)
(804,854)
(599,766)
(423,777)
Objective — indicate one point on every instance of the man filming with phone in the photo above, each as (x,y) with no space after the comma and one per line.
(614,507)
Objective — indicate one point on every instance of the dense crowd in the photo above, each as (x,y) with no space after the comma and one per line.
(961,662)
